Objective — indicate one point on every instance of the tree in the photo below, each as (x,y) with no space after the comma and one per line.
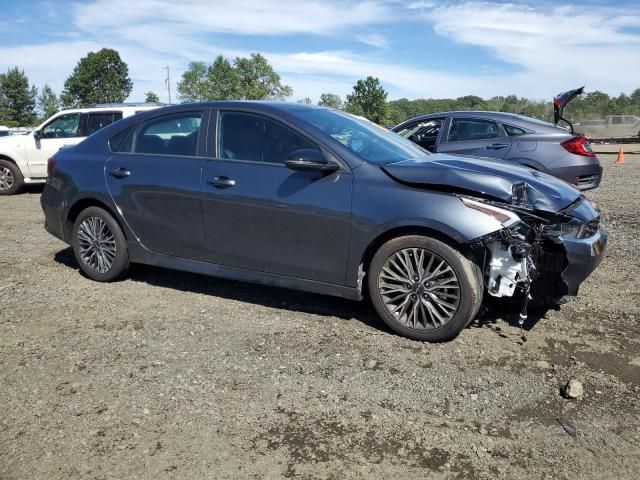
(258,79)
(224,80)
(100,77)
(246,79)
(17,98)
(305,101)
(151,97)
(48,102)
(330,100)
(193,85)
(369,99)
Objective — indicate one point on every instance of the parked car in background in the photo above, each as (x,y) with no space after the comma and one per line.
(23,158)
(316,199)
(513,138)
(612,126)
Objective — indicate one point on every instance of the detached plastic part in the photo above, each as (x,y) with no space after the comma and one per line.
(504,271)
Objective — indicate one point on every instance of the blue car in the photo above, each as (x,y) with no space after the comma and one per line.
(315,199)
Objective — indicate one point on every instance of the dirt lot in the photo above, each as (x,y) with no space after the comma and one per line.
(173,375)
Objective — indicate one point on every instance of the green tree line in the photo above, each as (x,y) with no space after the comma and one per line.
(103,77)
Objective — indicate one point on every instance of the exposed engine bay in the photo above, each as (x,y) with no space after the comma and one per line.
(533,254)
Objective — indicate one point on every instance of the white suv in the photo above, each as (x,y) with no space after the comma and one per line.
(23,158)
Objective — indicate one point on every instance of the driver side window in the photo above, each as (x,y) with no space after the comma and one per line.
(65,126)
(246,136)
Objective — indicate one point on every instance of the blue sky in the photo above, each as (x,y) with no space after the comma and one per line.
(418,48)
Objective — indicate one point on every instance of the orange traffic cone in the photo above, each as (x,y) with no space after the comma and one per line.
(620,158)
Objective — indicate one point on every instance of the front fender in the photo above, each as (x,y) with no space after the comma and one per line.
(17,156)
(381,205)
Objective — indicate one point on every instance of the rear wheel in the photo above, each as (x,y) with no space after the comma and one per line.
(423,288)
(11,179)
(99,245)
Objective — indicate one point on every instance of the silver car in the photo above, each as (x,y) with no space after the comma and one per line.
(514,138)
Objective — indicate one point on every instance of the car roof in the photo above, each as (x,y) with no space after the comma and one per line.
(504,117)
(114,106)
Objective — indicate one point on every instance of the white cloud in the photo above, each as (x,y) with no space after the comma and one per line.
(244,17)
(555,48)
(374,40)
(551,48)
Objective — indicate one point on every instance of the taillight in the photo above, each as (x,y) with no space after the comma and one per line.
(579,146)
(50,164)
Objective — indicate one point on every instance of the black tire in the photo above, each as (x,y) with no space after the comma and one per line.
(467,274)
(119,261)
(9,171)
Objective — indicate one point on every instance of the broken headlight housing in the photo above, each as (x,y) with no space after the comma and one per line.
(573,229)
(504,217)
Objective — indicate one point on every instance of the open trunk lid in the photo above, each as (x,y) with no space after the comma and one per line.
(560,101)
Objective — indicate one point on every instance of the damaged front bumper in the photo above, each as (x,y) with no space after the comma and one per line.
(583,257)
(544,258)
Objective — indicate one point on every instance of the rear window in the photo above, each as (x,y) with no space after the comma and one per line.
(174,135)
(96,121)
(513,131)
(469,129)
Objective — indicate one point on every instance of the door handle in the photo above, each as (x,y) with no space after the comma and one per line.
(496,146)
(222,182)
(119,172)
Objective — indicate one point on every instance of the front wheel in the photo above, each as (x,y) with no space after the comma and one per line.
(99,245)
(423,288)
(11,179)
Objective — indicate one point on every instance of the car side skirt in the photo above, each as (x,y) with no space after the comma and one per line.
(139,254)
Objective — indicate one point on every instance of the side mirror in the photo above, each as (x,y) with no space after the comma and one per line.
(307,159)
(37,135)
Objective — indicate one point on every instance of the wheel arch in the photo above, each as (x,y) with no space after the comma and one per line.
(83,204)
(405,230)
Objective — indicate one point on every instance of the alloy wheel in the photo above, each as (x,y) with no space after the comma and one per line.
(6,178)
(419,288)
(96,244)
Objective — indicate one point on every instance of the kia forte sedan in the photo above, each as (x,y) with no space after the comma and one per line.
(315,199)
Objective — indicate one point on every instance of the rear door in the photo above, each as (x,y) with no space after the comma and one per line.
(476,137)
(154,179)
(261,215)
(94,121)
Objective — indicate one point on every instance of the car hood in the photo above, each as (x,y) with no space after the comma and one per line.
(488,178)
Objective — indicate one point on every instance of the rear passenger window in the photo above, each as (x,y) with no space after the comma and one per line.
(465,129)
(513,131)
(96,121)
(245,136)
(174,135)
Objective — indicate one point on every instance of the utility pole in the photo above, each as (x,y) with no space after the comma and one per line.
(167,82)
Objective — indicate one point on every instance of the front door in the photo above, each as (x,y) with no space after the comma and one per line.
(260,215)
(62,131)
(475,137)
(155,183)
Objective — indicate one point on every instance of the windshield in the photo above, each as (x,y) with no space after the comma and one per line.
(369,141)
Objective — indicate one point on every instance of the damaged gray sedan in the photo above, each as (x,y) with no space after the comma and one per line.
(318,200)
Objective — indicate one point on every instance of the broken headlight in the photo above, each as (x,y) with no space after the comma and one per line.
(505,217)
(574,229)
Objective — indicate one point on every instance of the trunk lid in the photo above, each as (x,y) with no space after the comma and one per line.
(561,100)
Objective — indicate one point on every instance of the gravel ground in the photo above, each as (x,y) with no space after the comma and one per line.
(174,375)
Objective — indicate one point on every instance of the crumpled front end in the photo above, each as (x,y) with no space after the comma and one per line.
(540,256)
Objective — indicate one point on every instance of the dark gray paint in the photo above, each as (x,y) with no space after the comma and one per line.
(275,225)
